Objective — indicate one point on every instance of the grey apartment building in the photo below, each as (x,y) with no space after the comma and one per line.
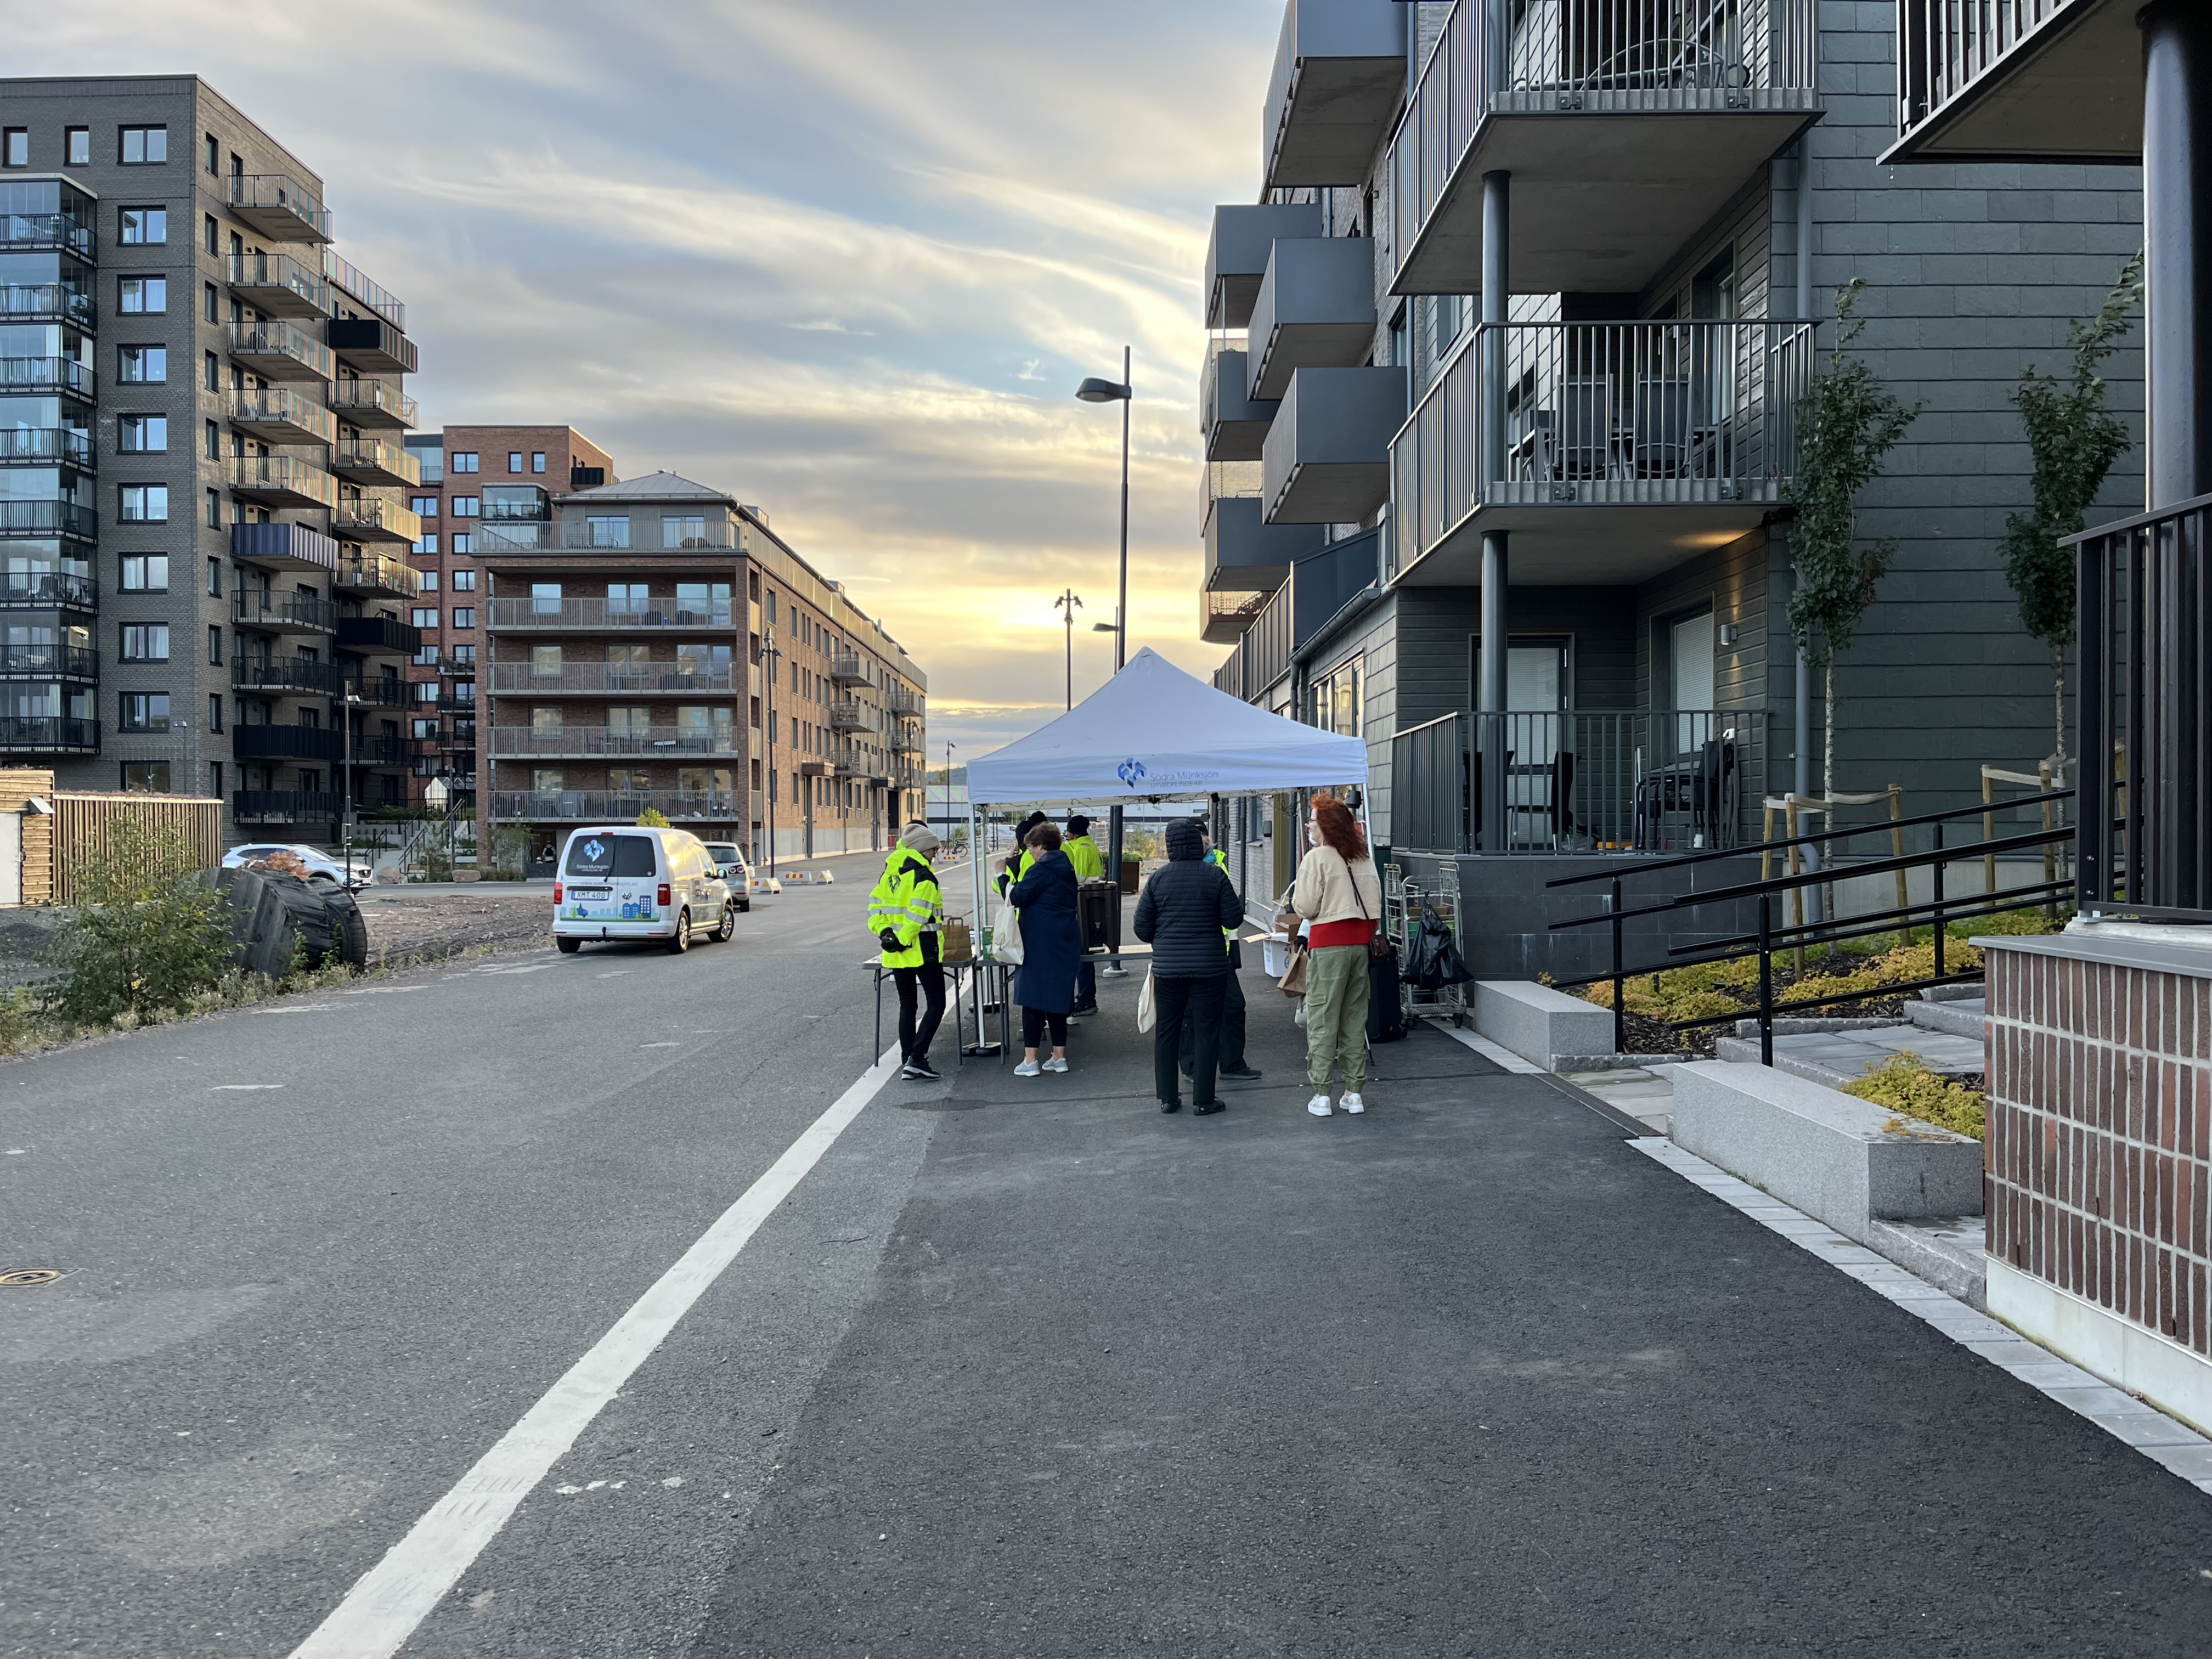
(202,405)
(651,644)
(1507,353)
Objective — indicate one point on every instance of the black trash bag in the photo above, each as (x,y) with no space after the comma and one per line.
(1433,958)
(269,910)
(1386,1002)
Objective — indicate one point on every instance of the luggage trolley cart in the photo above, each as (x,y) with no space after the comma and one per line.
(1403,899)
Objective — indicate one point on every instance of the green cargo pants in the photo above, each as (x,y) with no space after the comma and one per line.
(1336,1015)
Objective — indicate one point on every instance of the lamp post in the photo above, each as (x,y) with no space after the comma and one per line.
(345,800)
(1067,604)
(768,654)
(1096,390)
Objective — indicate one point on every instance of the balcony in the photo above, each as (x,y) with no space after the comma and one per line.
(61,376)
(1244,552)
(598,742)
(373,404)
(385,690)
(1327,460)
(846,714)
(1622,449)
(51,660)
(378,636)
(902,702)
(283,613)
(1237,252)
(2026,79)
(284,547)
(458,668)
(640,535)
(381,751)
(287,677)
(48,734)
(1319,588)
(1223,618)
(374,461)
(376,575)
(279,351)
(284,806)
(48,302)
(37,445)
(1625,125)
(1339,72)
(845,668)
(348,278)
(659,612)
(282,481)
(278,207)
(277,285)
(49,589)
(47,519)
(1315,310)
(279,415)
(904,740)
(1234,423)
(39,233)
(666,678)
(372,344)
(294,743)
(607,806)
(367,520)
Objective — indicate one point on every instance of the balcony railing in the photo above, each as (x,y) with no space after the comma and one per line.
(46,374)
(288,676)
(373,343)
(269,740)
(608,806)
(283,415)
(284,805)
(1619,414)
(287,546)
(345,275)
(60,302)
(383,636)
(1227,481)
(281,351)
(283,613)
(899,700)
(48,734)
(597,743)
(848,715)
(46,443)
(845,668)
(657,611)
(373,520)
(1943,49)
(1223,617)
(44,518)
(374,573)
(375,461)
(643,534)
(282,481)
(40,232)
(373,403)
(48,587)
(279,207)
(50,660)
(280,285)
(588,677)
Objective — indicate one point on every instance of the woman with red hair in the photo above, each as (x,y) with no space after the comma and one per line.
(1339,893)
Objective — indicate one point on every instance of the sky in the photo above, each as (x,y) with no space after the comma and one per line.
(848,261)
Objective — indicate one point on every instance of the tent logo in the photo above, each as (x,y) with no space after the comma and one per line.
(1129,771)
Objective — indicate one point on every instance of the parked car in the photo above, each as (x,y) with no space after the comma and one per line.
(622,882)
(730,859)
(321,865)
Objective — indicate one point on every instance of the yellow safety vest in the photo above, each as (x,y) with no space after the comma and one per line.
(1083,852)
(907,901)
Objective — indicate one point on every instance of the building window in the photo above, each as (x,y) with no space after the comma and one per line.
(15,147)
(429,580)
(425,615)
(465,653)
(537,460)
(210,235)
(461,461)
(545,662)
(514,461)
(214,578)
(210,372)
(146,643)
(145,504)
(429,544)
(142,435)
(427,730)
(145,147)
(145,226)
(142,365)
(215,509)
(465,506)
(464,581)
(424,506)
(146,573)
(211,441)
(210,307)
(142,293)
(462,541)
(426,690)
(146,777)
(211,158)
(76,146)
(426,657)
(215,645)
(608,530)
(683,531)
(465,615)
(146,711)
(215,723)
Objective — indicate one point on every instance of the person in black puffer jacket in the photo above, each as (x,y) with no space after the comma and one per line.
(1183,909)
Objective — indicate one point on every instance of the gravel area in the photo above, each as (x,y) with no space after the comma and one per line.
(405,923)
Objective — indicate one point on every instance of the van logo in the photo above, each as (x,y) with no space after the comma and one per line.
(594,850)
(1129,771)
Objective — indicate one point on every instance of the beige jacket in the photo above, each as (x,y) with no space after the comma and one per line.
(1325,889)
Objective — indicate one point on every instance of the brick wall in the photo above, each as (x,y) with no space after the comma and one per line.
(2099,1148)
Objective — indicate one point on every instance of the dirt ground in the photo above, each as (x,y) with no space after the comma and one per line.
(403,923)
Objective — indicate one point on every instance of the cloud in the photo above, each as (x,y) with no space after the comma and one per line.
(831,326)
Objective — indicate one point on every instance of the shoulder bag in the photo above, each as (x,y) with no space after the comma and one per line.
(1378,942)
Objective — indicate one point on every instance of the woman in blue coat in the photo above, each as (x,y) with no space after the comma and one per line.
(1052,945)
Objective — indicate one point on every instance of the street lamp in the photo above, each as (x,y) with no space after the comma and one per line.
(1067,604)
(1122,392)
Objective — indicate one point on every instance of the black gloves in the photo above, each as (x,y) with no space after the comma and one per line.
(890,940)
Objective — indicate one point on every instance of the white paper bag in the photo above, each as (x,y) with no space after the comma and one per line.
(1007,934)
(1147,1009)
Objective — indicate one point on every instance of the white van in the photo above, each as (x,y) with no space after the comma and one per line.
(619,881)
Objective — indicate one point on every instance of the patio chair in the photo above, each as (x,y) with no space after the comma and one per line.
(1662,442)
(1585,430)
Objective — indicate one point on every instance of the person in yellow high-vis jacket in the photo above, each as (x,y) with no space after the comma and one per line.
(905,911)
(1090,865)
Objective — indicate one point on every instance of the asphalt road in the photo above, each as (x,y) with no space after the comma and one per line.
(1021,1367)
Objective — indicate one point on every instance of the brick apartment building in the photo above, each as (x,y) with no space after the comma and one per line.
(506,476)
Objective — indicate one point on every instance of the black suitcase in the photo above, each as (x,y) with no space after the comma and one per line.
(1386,1002)
(1098,905)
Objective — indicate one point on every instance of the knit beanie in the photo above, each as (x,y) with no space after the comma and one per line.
(919,838)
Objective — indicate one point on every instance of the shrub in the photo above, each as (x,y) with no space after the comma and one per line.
(1904,1084)
(149,932)
(652,818)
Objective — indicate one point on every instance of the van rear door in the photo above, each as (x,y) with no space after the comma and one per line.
(611,876)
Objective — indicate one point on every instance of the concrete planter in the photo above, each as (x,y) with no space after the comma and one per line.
(1537,1023)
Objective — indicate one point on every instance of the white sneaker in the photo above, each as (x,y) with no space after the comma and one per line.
(1318,1105)
(1027,1068)
(1055,1064)
(1353,1103)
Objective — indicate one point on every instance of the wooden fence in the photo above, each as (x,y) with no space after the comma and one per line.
(55,849)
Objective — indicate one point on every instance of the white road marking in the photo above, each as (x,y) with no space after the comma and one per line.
(304,1008)
(218,1088)
(617,973)
(384,990)
(383,1608)
(660,1045)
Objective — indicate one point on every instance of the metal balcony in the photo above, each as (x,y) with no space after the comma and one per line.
(278,207)
(1233,422)
(2019,80)
(598,742)
(1340,73)
(281,415)
(661,611)
(282,481)
(283,613)
(375,404)
(44,589)
(376,575)
(663,678)
(1617,450)
(272,741)
(277,285)
(378,636)
(845,668)
(1223,618)
(494,536)
(46,445)
(60,375)
(51,660)
(1315,310)
(902,701)
(288,676)
(284,806)
(369,520)
(1624,124)
(374,461)
(1246,554)
(1327,460)
(1237,252)
(48,734)
(385,690)
(606,807)
(47,519)
(348,278)
(279,351)
(381,751)
(38,233)
(48,302)
(846,715)
(284,547)
(372,344)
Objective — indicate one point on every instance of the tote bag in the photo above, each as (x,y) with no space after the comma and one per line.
(1147,1008)
(1007,934)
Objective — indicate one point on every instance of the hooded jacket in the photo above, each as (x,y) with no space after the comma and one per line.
(1184,908)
